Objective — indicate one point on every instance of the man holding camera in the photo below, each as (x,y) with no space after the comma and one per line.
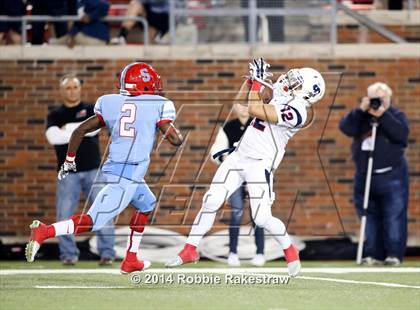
(386,228)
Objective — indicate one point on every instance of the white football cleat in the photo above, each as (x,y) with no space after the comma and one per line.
(294,268)
(31,249)
(174,262)
(38,235)
(147,264)
(258,260)
(189,254)
(233,260)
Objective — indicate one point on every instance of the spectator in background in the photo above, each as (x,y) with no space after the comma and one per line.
(386,228)
(61,122)
(388,4)
(52,8)
(225,139)
(156,12)
(72,7)
(10,32)
(90,30)
(275,23)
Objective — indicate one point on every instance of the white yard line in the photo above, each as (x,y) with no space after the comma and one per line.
(358,282)
(342,270)
(78,287)
(388,284)
(243,271)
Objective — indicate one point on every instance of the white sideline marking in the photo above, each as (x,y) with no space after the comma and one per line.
(359,282)
(254,271)
(341,270)
(386,284)
(77,287)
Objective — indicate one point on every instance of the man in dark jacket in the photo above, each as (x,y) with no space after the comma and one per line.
(52,8)
(10,32)
(156,13)
(386,228)
(90,30)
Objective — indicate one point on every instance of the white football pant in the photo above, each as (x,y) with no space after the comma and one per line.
(232,173)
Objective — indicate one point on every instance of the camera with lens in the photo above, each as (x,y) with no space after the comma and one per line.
(375,103)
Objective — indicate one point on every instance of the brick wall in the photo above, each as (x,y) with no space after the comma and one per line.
(313,184)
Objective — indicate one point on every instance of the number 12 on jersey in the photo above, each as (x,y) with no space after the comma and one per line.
(126,121)
(286,114)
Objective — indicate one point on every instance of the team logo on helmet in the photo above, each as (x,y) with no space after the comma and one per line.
(313,86)
(139,78)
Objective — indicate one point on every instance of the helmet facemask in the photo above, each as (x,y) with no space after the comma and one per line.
(294,79)
(287,83)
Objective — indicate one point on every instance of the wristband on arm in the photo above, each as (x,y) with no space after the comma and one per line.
(256,85)
(70,157)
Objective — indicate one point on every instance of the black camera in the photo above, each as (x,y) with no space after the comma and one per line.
(375,103)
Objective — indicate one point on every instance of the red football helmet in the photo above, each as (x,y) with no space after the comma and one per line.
(139,78)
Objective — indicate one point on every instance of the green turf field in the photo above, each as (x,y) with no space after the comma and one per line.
(87,286)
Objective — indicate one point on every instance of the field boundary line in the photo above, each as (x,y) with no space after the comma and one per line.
(327,270)
(79,287)
(388,284)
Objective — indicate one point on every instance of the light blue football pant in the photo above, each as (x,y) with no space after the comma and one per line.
(115,197)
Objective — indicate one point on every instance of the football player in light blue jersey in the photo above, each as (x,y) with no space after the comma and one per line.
(133,121)
(133,118)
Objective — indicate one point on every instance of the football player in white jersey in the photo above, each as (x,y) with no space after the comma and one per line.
(257,156)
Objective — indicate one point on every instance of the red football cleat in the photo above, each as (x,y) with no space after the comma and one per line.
(130,264)
(291,254)
(189,254)
(39,233)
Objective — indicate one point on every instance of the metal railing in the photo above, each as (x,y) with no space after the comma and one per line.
(410,5)
(24,20)
(252,12)
(371,24)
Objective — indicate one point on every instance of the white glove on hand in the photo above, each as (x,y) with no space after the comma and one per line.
(70,127)
(93,133)
(258,70)
(65,169)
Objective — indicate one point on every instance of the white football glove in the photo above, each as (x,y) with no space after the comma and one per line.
(65,169)
(70,127)
(258,70)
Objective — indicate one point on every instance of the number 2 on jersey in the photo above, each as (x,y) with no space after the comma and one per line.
(127,120)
